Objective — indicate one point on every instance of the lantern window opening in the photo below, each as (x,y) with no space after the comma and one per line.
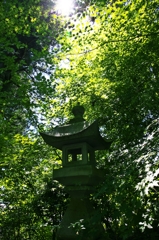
(80,153)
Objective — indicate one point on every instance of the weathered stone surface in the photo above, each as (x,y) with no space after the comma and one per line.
(79,175)
(76,133)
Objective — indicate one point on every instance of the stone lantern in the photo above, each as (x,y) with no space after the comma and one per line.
(78,140)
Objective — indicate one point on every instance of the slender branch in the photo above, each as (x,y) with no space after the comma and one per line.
(111,41)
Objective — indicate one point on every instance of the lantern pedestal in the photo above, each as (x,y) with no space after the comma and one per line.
(79,220)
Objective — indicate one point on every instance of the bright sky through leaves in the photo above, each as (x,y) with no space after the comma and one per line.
(64,7)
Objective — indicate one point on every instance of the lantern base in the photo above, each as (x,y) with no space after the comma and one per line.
(80,220)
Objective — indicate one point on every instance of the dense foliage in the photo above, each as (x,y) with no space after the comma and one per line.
(104,56)
(27,45)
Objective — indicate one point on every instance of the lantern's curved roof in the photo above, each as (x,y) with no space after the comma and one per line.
(76,133)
